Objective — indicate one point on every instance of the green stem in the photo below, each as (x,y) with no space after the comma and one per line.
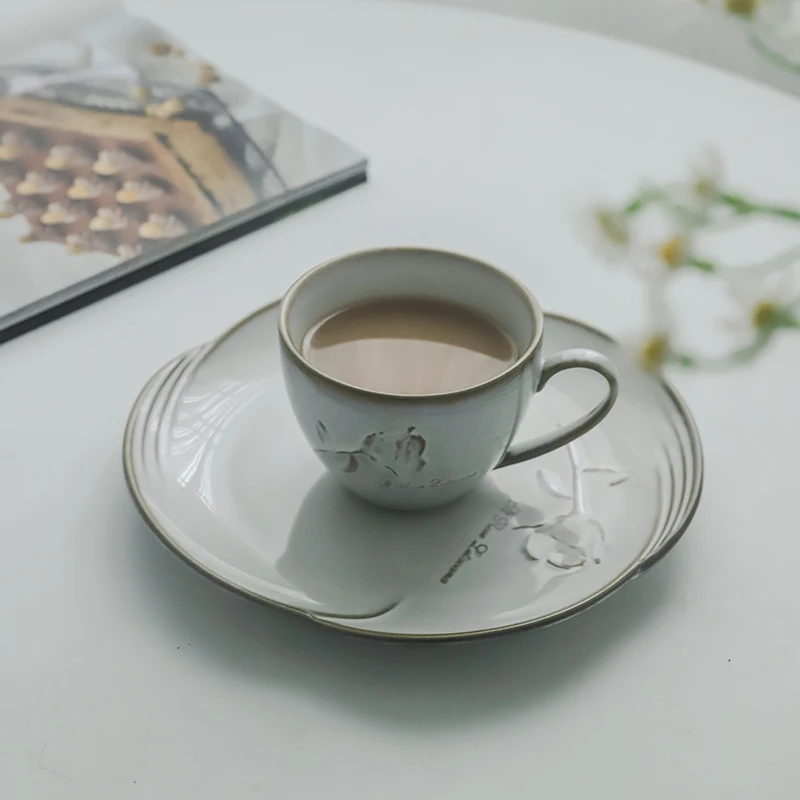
(641,201)
(702,265)
(781,261)
(736,358)
(719,363)
(743,207)
(776,58)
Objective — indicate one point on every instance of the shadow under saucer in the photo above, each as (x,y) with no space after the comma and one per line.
(424,686)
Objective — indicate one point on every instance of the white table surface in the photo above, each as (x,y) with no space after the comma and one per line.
(698,29)
(123,674)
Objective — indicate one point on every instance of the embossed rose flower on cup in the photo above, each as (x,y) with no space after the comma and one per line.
(410,370)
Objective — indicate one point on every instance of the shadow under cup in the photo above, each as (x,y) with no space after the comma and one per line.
(399,451)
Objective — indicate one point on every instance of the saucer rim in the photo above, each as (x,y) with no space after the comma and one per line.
(634,570)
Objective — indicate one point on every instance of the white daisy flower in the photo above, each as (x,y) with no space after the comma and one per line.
(706,180)
(611,233)
(673,251)
(652,348)
(783,19)
(738,8)
(742,8)
(648,242)
(663,242)
(659,317)
(776,30)
(683,12)
(762,305)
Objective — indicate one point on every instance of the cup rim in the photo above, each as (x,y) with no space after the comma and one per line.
(297,357)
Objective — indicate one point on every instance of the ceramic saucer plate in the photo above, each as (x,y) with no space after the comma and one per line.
(221,472)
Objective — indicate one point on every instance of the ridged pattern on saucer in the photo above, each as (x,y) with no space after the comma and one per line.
(670,460)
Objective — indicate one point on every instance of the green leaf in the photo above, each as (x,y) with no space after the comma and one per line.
(644,199)
(741,206)
(750,351)
(738,204)
(702,265)
(787,319)
(684,360)
(783,213)
(637,204)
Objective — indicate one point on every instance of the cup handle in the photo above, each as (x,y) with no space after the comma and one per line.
(567,359)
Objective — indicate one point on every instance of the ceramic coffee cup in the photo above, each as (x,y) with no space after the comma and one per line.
(415,452)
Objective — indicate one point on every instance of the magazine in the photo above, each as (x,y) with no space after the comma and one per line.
(124,153)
